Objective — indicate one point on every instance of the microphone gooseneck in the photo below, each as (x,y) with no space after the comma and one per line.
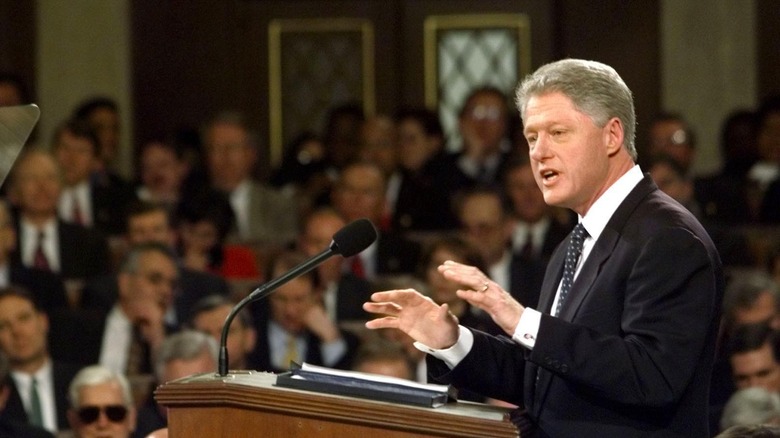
(348,241)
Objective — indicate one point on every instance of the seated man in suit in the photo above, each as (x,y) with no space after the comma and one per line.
(148,222)
(101,404)
(44,240)
(38,384)
(360,193)
(341,292)
(83,201)
(182,354)
(293,326)
(46,287)
(12,427)
(263,215)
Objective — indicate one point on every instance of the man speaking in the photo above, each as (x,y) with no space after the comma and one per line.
(622,342)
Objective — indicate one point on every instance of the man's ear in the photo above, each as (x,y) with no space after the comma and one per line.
(613,136)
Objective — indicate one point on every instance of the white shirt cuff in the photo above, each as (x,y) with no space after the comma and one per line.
(452,355)
(527,328)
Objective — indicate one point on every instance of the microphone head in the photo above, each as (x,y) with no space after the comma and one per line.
(353,238)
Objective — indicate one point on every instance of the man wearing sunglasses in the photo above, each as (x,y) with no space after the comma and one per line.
(101,404)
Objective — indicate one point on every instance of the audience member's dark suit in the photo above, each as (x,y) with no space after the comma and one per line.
(83,252)
(76,335)
(109,204)
(15,429)
(527,271)
(723,199)
(770,205)
(102,293)
(616,359)
(148,420)
(421,206)
(448,176)
(351,293)
(396,255)
(62,374)
(47,288)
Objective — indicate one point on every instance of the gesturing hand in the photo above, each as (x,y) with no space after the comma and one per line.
(484,294)
(416,315)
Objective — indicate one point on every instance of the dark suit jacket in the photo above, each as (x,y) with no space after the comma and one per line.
(395,254)
(83,251)
(62,374)
(632,351)
(46,287)
(16,429)
(109,204)
(421,206)
(351,293)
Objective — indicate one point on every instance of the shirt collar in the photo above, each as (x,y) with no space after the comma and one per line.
(602,210)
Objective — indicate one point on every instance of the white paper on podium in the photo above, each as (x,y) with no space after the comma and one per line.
(16,124)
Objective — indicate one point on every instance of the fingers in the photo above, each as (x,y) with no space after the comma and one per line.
(466,275)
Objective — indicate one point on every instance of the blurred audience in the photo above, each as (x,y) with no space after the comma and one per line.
(209,316)
(263,215)
(751,406)
(11,427)
(292,324)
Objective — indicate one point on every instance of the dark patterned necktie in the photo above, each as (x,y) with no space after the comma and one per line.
(39,258)
(573,252)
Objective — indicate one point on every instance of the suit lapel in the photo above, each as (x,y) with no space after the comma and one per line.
(603,248)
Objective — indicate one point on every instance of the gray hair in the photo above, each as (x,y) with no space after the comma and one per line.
(745,288)
(184,345)
(97,375)
(596,89)
(132,260)
(751,406)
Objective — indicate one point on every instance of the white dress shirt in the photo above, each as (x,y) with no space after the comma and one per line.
(51,243)
(45,381)
(117,337)
(81,194)
(239,200)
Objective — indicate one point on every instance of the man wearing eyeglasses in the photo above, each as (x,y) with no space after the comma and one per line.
(101,404)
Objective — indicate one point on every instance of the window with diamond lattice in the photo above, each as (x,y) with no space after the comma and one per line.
(466,52)
(314,65)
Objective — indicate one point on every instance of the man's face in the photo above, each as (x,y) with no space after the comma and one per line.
(360,193)
(484,224)
(291,302)
(668,137)
(105,122)
(150,227)
(757,368)
(527,200)
(36,186)
(569,153)
(9,95)
(102,395)
(241,339)
(23,331)
(75,156)
(415,146)
(316,237)
(155,280)
(229,155)
(161,170)
(378,146)
(763,310)
(483,124)
(671,182)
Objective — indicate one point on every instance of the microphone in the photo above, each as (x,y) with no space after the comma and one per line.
(348,241)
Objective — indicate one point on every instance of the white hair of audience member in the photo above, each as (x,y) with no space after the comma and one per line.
(184,345)
(97,375)
(751,406)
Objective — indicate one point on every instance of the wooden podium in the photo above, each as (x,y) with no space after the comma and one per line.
(247,404)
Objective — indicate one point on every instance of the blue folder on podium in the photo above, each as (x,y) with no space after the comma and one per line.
(362,385)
